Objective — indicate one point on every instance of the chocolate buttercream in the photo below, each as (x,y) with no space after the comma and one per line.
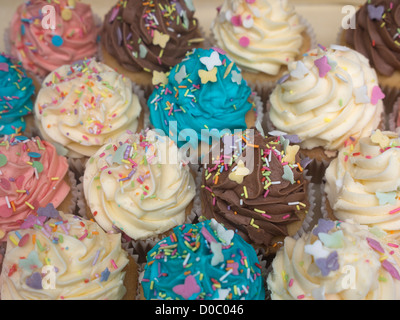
(377,35)
(150,35)
(268,200)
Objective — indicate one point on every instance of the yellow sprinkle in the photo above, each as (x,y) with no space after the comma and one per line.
(55,178)
(29,205)
(13,240)
(245,192)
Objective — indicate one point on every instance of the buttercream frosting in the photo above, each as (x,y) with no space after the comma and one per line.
(84,105)
(330,95)
(205,91)
(75,34)
(138,184)
(336,261)
(203,261)
(16,90)
(63,258)
(260,36)
(31,176)
(363,182)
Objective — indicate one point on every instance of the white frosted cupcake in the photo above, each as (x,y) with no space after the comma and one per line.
(82,106)
(138,184)
(336,261)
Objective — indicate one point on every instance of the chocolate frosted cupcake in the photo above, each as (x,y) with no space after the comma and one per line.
(258,189)
(142,37)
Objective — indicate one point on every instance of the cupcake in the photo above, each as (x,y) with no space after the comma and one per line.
(336,261)
(64,257)
(32,175)
(140,39)
(139,185)
(256,187)
(362,183)
(16,96)
(262,37)
(328,98)
(82,106)
(202,261)
(200,98)
(376,35)
(46,35)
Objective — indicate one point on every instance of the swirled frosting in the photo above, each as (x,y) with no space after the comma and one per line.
(16,90)
(138,184)
(44,50)
(376,35)
(83,105)
(328,97)
(363,182)
(203,261)
(259,190)
(31,176)
(336,261)
(260,36)
(63,258)
(150,35)
(205,91)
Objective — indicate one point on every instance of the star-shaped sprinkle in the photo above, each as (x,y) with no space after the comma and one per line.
(300,71)
(179,76)
(328,264)
(31,220)
(323,226)
(323,66)
(361,94)
(208,76)
(386,198)
(334,240)
(236,77)
(222,294)
(104,275)
(291,152)
(240,172)
(316,249)
(212,61)
(379,138)
(188,288)
(376,95)
(375,13)
(160,39)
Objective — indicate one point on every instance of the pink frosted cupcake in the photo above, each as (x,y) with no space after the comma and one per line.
(41,50)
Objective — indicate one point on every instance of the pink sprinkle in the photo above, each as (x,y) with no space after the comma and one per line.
(394,211)
(102,155)
(244,41)
(286,217)
(302,296)
(377,95)
(250,1)
(291,282)
(85,137)
(266,193)
(266,215)
(114,264)
(393,245)
(236,20)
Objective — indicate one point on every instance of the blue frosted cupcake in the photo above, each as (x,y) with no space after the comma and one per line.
(202,261)
(16,90)
(205,91)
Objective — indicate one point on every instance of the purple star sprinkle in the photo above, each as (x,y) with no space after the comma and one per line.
(49,212)
(323,66)
(34,281)
(31,220)
(329,264)
(324,226)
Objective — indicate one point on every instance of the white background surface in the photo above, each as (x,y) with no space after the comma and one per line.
(324,16)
